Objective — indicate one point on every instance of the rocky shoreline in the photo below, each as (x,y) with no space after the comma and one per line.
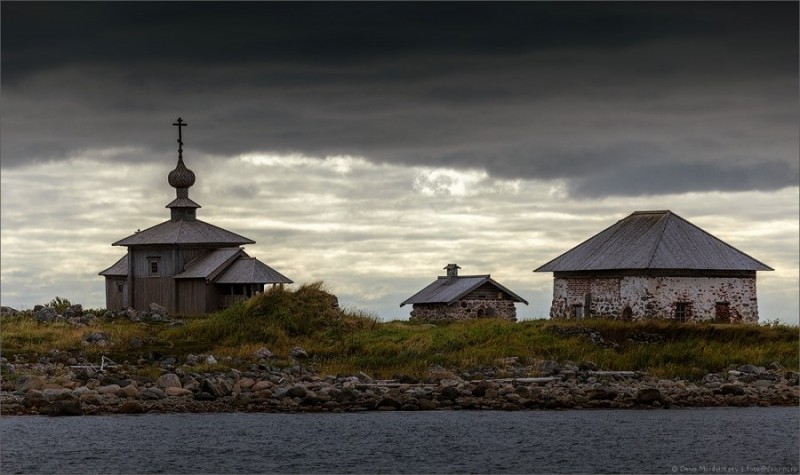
(58,389)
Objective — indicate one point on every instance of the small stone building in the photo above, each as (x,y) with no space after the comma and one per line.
(454,297)
(655,264)
(186,265)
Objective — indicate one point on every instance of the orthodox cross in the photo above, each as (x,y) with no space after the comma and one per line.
(180,123)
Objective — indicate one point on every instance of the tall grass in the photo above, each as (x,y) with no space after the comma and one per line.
(347,341)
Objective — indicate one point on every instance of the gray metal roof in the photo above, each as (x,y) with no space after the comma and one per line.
(249,270)
(653,240)
(207,264)
(184,232)
(448,290)
(120,268)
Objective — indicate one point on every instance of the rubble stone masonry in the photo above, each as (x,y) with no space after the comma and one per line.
(465,310)
(724,299)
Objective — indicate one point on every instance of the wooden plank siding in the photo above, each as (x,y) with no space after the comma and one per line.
(486,291)
(194,296)
(115,300)
(160,288)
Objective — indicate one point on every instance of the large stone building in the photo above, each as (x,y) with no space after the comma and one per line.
(184,264)
(655,264)
(454,297)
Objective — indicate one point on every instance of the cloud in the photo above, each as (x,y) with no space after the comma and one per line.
(370,231)
(589,95)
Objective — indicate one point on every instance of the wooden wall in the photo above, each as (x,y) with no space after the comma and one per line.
(115,300)
(486,291)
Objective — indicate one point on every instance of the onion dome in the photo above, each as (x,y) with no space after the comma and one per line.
(181,177)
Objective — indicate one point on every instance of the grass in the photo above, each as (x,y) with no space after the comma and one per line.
(342,341)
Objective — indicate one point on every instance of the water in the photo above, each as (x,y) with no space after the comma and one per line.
(713,440)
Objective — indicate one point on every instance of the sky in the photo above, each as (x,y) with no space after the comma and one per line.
(368,145)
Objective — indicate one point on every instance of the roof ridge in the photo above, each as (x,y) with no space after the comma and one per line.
(662,220)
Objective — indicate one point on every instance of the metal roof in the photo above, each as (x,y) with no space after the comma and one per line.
(449,289)
(120,268)
(207,264)
(653,240)
(184,232)
(249,270)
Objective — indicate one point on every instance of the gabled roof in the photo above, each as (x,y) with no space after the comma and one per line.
(653,240)
(249,270)
(450,289)
(120,268)
(205,266)
(184,232)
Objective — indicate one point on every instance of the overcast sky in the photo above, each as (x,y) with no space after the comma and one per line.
(368,145)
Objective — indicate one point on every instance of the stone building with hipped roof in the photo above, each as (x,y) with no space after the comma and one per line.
(184,264)
(655,265)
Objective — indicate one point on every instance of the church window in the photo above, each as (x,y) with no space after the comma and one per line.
(154,265)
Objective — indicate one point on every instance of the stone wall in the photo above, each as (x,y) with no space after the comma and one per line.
(643,297)
(465,310)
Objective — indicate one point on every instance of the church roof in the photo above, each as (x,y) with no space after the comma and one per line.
(450,289)
(120,268)
(184,232)
(207,264)
(249,270)
(653,240)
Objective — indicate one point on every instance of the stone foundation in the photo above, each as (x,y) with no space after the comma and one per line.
(465,310)
(724,299)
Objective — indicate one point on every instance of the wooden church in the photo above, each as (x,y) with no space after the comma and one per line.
(184,264)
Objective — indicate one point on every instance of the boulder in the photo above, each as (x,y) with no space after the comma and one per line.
(732,389)
(602,393)
(177,392)
(71,407)
(549,367)
(262,353)
(297,391)
(153,393)
(54,394)
(95,337)
(130,407)
(298,353)
(45,315)
(26,382)
(109,389)
(648,396)
(129,391)
(8,312)
(750,369)
(157,309)
(218,387)
(169,380)
(91,398)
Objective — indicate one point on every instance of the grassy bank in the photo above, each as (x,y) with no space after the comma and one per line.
(346,341)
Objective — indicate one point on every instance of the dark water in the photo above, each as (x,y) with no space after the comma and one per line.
(715,440)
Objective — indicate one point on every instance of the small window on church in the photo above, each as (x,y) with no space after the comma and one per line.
(120,286)
(154,266)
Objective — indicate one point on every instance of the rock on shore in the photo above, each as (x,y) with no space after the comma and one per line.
(27,389)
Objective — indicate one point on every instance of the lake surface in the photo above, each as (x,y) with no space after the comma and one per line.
(712,440)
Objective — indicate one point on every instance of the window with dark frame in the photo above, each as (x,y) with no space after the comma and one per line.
(154,267)
(120,286)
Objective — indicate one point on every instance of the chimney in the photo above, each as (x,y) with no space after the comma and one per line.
(452,272)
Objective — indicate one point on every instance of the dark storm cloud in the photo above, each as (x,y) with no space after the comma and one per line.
(659,97)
